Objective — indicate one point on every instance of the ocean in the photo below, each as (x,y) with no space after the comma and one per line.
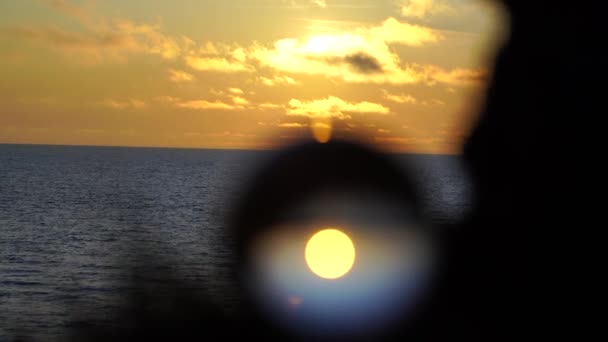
(72,219)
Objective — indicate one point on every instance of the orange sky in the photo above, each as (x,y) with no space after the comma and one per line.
(406,75)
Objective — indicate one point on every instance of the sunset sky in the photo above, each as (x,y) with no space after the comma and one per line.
(404,74)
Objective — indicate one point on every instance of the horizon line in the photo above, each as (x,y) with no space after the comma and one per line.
(206,148)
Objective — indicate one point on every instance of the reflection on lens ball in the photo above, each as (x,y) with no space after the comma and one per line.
(341,265)
(330,253)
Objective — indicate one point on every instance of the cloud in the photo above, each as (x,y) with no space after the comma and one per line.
(240,100)
(137,103)
(239,54)
(237,91)
(93,44)
(204,104)
(320,3)
(64,38)
(457,76)
(217,92)
(292,125)
(168,99)
(320,125)
(350,53)
(278,80)
(96,39)
(78,12)
(231,134)
(363,55)
(359,54)
(217,64)
(269,106)
(125,104)
(359,62)
(393,31)
(218,57)
(148,38)
(422,8)
(333,107)
(297,4)
(363,62)
(209,48)
(401,98)
(179,76)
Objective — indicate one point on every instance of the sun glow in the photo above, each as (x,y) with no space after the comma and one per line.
(330,254)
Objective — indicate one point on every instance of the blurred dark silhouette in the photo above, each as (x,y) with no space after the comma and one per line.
(526,158)
(302,173)
(523,167)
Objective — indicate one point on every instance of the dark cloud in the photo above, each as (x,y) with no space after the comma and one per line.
(363,63)
(360,62)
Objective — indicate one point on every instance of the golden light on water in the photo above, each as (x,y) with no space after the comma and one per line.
(330,254)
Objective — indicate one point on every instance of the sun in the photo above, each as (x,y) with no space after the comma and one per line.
(330,253)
